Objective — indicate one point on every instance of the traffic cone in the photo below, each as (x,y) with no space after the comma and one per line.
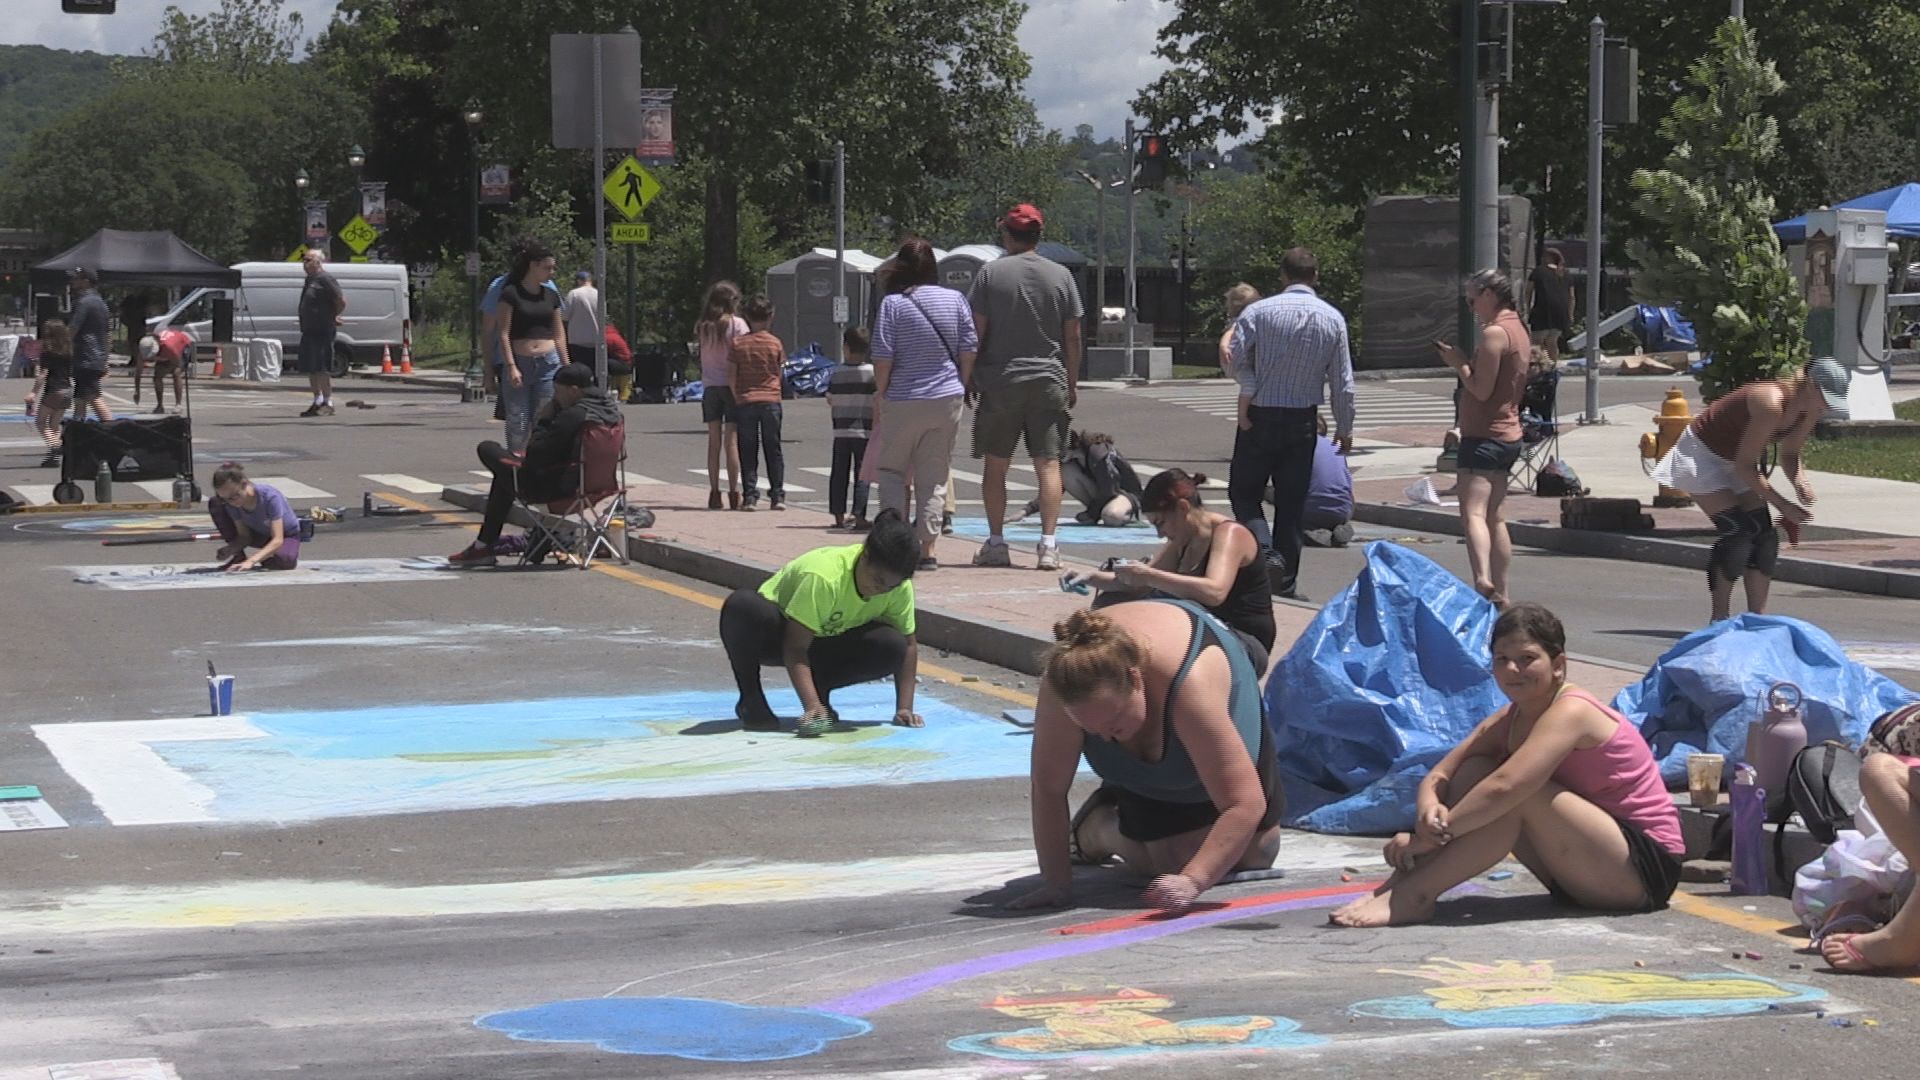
(386,361)
(406,357)
(219,360)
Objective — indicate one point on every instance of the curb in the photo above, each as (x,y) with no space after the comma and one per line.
(1650,549)
(453,383)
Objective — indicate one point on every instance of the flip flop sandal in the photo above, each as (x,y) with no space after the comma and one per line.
(1102,796)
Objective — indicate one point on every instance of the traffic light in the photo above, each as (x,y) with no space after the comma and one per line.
(1150,166)
(88,7)
(819,182)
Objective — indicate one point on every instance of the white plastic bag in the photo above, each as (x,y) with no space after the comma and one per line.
(1855,884)
(1422,493)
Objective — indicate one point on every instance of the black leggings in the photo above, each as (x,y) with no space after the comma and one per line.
(753,630)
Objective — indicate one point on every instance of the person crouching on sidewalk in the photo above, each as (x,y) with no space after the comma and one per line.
(251,515)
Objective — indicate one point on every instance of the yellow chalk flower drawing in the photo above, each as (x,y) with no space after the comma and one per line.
(1123,1020)
(1508,993)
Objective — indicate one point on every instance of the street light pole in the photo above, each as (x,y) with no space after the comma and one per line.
(300,182)
(472,116)
(1099,186)
(1596,136)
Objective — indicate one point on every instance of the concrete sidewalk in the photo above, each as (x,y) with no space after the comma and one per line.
(1003,617)
(1864,536)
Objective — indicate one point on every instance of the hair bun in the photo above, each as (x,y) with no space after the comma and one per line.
(1082,628)
(1199,479)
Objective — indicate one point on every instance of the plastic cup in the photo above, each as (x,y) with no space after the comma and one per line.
(220,694)
(1703,778)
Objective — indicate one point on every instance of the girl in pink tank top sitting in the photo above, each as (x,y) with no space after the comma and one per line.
(1558,779)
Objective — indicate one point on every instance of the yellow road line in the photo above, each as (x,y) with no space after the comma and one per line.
(1751,921)
(712,603)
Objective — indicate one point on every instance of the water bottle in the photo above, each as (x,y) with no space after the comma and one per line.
(183,493)
(103,483)
(1749,801)
(366,504)
(1776,736)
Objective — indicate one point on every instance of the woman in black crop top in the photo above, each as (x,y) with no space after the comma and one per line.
(1208,558)
(530,332)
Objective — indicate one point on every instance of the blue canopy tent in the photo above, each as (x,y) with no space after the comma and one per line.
(1902,205)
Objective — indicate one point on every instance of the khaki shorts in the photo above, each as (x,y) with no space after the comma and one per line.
(1035,410)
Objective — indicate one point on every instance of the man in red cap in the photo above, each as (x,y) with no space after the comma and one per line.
(1026,380)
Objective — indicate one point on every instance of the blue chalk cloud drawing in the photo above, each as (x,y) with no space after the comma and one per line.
(691,1028)
(1510,994)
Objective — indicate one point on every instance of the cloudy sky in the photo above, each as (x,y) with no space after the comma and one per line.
(1089,56)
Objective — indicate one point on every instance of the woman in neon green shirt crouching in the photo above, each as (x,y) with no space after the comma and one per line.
(832,617)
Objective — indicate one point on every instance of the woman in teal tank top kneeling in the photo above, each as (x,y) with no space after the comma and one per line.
(1163,702)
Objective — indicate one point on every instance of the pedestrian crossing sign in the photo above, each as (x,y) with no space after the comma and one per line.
(630,187)
(630,232)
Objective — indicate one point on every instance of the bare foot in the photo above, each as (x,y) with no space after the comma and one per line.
(1862,954)
(1384,908)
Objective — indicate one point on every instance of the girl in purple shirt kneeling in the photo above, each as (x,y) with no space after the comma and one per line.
(253,515)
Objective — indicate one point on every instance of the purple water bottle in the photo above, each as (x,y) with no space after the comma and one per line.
(1749,801)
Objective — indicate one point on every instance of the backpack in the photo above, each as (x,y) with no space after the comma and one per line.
(1557,480)
(1823,787)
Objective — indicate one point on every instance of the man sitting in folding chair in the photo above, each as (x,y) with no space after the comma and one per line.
(580,417)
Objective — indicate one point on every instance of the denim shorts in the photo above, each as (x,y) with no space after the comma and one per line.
(1487,455)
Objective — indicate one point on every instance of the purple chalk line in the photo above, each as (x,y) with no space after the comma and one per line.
(879,996)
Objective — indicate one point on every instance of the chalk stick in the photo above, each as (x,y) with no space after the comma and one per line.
(1254,875)
(19,791)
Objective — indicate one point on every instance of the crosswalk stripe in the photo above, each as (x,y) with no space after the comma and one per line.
(1146,472)
(791,488)
(35,494)
(293,489)
(413,485)
(161,490)
(1012,485)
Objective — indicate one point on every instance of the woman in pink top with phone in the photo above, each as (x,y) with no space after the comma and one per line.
(1558,779)
(1492,381)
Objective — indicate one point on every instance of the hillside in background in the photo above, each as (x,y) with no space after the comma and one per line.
(38,84)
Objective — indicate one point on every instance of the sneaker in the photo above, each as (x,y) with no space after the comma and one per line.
(51,461)
(946,524)
(159,410)
(926,563)
(311,410)
(993,553)
(326,410)
(761,719)
(776,505)
(474,554)
(1048,556)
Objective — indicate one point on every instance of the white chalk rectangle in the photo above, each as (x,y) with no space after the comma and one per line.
(129,781)
(291,488)
(146,577)
(411,484)
(118,1069)
(23,815)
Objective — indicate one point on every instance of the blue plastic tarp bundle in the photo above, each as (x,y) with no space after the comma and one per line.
(1661,329)
(688,391)
(1701,694)
(806,374)
(1391,675)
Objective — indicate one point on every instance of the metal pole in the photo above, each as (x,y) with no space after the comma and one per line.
(599,204)
(1486,182)
(1100,244)
(1133,284)
(1596,132)
(841,316)
(1469,75)
(473,279)
(1739,9)
(630,316)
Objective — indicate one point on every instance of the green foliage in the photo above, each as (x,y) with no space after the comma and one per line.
(1717,258)
(37,84)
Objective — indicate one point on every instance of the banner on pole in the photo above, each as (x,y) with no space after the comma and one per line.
(373,203)
(317,232)
(656,127)
(496,185)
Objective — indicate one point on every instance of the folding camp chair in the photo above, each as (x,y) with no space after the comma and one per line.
(579,524)
(1539,428)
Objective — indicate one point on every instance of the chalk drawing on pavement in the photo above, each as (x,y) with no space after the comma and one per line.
(306,766)
(690,1028)
(1046,948)
(1510,994)
(117,525)
(1124,1021)
(132,577)
(1017,533)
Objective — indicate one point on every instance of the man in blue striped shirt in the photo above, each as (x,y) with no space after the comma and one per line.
(1286,350)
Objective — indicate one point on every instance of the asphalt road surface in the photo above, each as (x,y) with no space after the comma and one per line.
(499,824)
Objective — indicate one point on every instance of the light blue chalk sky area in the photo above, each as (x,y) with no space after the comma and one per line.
(1089,56)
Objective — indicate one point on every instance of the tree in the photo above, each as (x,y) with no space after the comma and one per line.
(1716,257)
(242,39)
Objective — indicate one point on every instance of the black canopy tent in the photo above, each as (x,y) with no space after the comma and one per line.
(119,258)
(122,258)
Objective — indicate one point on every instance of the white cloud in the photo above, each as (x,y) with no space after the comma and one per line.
(130,29)
(1090,57)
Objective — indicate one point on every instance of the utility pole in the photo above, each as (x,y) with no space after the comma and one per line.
(1470,120)
(599,209)
(1596,135)
(841,316)
(1133,254)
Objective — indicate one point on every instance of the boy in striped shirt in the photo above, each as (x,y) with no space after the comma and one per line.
(850,400)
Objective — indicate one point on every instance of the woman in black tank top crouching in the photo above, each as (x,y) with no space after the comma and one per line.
(1208,558)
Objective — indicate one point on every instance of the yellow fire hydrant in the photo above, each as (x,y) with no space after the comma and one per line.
(1673,419)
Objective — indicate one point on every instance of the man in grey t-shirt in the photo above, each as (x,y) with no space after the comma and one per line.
(90,321)
(1027,311)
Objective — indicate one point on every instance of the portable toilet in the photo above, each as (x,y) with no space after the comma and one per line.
(802,291)
(959,265)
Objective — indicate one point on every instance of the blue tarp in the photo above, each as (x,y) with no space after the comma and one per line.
(806,374)
(1661,329)
(1901,203)
(1701,694)
(1388,677)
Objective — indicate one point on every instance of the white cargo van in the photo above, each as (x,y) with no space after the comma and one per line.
(268,306)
